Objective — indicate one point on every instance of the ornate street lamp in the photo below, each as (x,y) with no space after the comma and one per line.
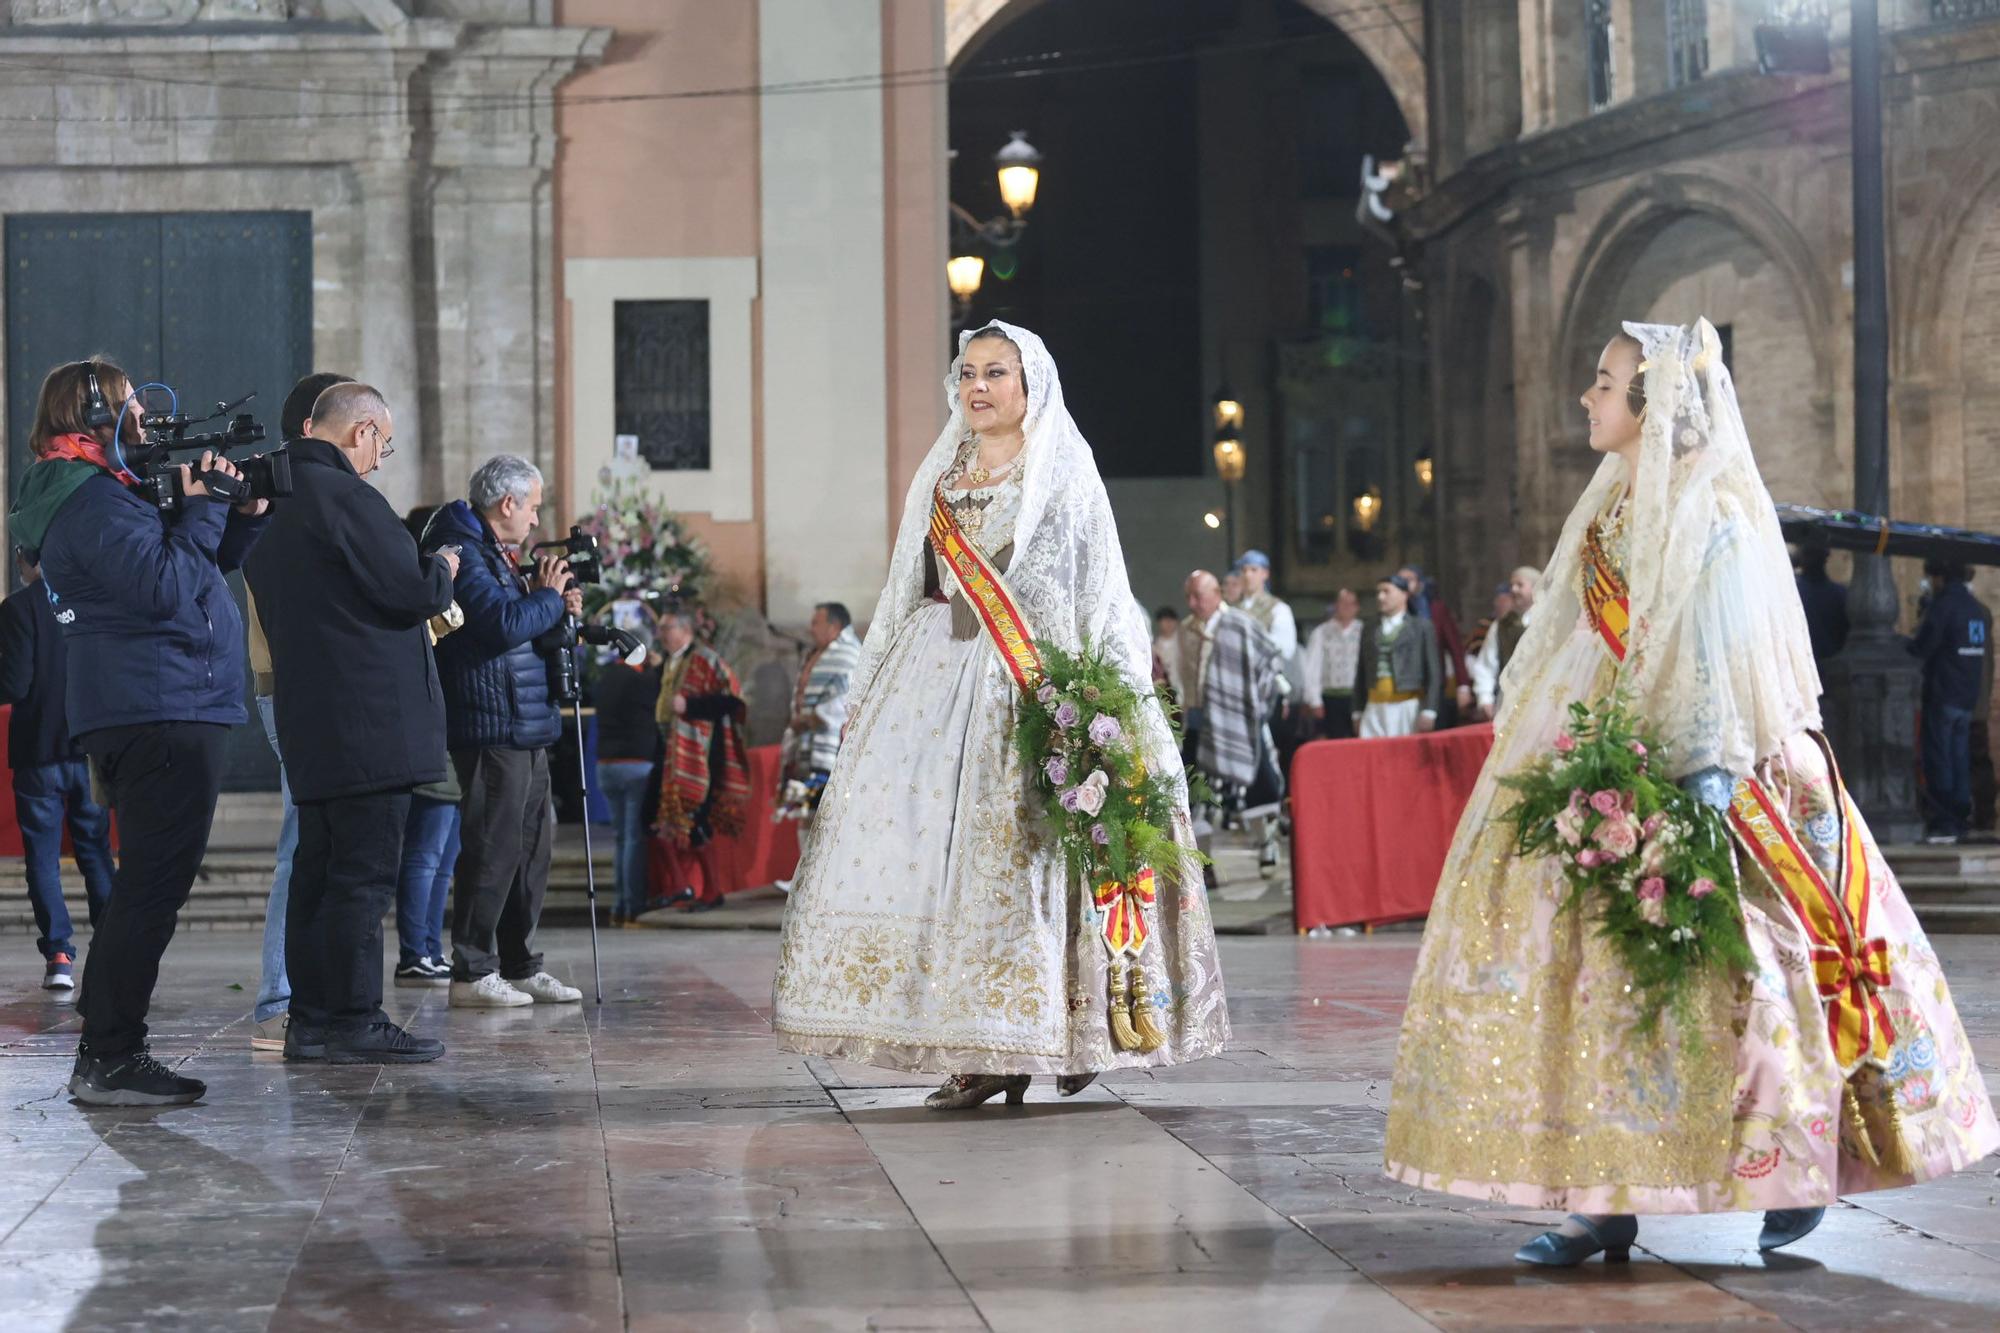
(1019,167)
(964,273)
(1231,460)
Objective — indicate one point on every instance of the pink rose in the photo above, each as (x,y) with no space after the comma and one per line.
(1606,802)
(1702,887)
(1652,889)
(1654,860)
(1639,748)
(1654,823)
(1565,743)
(1590,858)
(1569,827)
(1617,837)
(1653,911)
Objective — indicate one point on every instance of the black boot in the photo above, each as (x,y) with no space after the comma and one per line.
(303,1042)
(134,1079)
(380,1043)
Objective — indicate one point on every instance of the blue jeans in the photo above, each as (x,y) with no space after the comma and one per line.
(623,782)
(1948,769)
(274,993)
(430,850)
(44,798)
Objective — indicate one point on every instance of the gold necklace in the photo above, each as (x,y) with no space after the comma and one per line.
(979,475)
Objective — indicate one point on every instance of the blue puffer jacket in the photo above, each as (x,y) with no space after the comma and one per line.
(151,631)
(496,686)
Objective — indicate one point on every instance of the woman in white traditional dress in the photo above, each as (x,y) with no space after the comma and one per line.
(932,925)
(1838,1064)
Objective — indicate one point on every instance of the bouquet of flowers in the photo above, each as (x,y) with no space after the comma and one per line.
(1079,736)
(645,545)
(1651,860)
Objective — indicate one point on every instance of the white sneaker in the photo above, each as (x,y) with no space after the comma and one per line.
(269,1034)
(546,989)
(489,992)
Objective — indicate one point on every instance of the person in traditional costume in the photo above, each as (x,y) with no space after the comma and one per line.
(1331,656)
(1502,637)
(1234,680)
(705,776)
(818,718)
(1837,1064)
(1398,680)
(933,924)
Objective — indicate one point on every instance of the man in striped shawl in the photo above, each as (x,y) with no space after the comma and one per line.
(705,777)
(1230,667)
(819,716)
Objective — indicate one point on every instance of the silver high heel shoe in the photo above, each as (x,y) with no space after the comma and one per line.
(1071,1084)
(962,1092)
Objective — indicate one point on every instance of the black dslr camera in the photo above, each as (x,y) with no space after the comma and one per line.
(580,549)
(266,476)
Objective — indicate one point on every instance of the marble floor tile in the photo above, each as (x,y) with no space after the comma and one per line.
(658,1164)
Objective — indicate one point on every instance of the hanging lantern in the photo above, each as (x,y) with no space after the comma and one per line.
(965,273)
(1230,459)
(1426,474)
(1368,508)
(1020,173)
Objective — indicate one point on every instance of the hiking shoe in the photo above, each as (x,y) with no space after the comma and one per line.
(60,974)
(134,1079)
(545,989)
(488,992)
(380,1043)
(268,1034)
(424,974)
(303,1042)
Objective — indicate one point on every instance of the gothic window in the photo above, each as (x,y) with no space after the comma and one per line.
(1687,41)
(660,381)
(1598,31)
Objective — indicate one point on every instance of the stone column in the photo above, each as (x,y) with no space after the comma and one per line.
(1527,238)
(387,318)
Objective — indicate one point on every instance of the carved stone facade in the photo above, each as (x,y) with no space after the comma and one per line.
(419,133)
(1545,223)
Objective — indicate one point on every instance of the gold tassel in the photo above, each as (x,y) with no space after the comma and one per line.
(1122,1034)
(1145,1018)
(1857,1126)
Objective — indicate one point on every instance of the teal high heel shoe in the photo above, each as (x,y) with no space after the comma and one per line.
(1614,1236)
(1782,1226)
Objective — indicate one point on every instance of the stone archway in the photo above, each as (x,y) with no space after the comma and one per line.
(1393,44)
(1678,246)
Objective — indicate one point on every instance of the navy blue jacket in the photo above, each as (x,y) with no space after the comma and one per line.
(496,685)
(1953,642)
(149,626)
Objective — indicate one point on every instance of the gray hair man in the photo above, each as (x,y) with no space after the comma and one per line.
(501,718)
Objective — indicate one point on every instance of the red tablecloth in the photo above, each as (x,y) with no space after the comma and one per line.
(1372,821)
(762,854)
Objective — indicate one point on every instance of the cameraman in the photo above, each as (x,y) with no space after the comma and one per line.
(500,720)
(156,670)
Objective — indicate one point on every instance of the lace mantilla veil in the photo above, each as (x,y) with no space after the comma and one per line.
(1719,659)
(1068,569)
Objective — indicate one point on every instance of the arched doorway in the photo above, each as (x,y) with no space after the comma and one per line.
(1197,229)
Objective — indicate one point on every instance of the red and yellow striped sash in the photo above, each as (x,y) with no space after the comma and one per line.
(1124,907)
(987,591)
(1849,968)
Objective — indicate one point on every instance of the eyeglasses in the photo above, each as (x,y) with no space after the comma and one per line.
(387,442)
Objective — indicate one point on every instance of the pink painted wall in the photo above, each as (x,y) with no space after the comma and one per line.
(662,177)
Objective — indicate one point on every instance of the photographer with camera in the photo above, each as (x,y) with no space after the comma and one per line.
(156,671)
(345,601)
(501,718)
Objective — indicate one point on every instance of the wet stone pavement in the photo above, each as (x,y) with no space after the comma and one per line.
(657,1164)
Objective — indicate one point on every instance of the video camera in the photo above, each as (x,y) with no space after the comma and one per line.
(266,476)
(565,671)
(580,549)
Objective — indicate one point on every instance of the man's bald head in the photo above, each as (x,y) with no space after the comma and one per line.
(342,407)
(1204,594)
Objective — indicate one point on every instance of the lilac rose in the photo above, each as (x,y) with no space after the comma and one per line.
(1072,799)
(1057,770)
(1066,716)
(1100,835)
(1047,694)
(1104,729)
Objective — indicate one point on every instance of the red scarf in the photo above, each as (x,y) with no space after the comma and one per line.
(86,449)
(685,786)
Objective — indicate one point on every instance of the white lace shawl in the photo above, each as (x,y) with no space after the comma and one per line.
(1068,568)
(1719,661)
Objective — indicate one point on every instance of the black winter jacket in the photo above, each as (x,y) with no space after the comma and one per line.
(344,599)
(32,669)
(496,684)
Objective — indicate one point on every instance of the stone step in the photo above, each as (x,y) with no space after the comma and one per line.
(1959,918)
(1951,888)
(1969,859)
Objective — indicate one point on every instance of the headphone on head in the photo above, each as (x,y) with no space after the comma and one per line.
(96,412)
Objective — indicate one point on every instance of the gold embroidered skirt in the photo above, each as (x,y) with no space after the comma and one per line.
(932,927)
(1519,1078)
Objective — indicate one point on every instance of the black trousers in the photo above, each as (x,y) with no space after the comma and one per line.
(162,779)
(506,836)
(343,880)
(1338,724)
